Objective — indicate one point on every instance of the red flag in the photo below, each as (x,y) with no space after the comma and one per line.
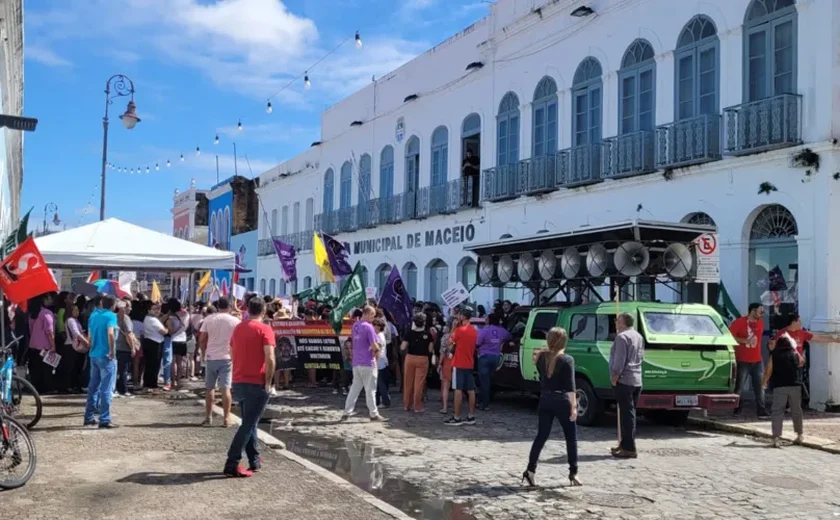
(94,275)
(24,274)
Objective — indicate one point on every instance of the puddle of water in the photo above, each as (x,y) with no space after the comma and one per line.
(357,462)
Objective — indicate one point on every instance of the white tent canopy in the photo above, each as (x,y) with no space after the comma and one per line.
(114,244)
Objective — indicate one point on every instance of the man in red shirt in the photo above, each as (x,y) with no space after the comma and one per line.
(252,352)
(800,335)
(463,338)
(747,331)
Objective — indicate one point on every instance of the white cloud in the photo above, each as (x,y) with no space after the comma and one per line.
(45,56)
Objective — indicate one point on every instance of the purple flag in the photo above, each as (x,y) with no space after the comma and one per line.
(288,259)
(337,255)
(396,299)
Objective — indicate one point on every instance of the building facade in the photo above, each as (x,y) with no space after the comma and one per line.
(190,214)
(11,97)
(232,207)
(721,112)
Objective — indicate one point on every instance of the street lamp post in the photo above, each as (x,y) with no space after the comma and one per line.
(51,207)
(122,86)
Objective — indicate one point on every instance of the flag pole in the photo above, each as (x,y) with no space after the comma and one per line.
(617,405)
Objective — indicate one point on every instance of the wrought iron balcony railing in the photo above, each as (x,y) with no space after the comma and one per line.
(759,126)
(302,241)
(690,141)
(578,165)
(627,155)
(499,183)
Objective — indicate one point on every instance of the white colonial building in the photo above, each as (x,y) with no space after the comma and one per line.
(11,98)
(585,113)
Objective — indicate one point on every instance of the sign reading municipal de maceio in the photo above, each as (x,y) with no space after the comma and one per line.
(434,237)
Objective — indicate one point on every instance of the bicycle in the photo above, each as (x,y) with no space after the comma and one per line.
(18,398)
(17,454)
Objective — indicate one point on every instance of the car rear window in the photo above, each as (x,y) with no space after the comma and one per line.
(680,324)
(543,322)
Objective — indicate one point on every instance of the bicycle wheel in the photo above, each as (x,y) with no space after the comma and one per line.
(26,402)
(17,454)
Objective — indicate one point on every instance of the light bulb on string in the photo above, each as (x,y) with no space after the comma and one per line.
(168,164)
(358,40)
(119,170)
(216,140)
(268,108)
(131,172)
(157,167)
(182,157)
(306,82)
(197,150)
(147,169)
(239,125)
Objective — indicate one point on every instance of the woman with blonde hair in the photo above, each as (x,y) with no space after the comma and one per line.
(557,401)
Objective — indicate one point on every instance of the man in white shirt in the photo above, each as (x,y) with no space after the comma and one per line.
(214,341)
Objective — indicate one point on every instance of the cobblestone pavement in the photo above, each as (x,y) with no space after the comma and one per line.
(159,464)
(437,472)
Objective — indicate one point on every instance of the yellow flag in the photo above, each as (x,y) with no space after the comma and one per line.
(322,261)
(155,296)
(204,282)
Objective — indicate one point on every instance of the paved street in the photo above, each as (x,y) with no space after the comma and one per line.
(434,471)
(159,464)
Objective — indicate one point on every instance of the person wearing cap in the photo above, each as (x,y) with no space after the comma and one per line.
(463,339)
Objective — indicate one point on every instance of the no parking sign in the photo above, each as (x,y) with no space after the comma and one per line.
(708,258)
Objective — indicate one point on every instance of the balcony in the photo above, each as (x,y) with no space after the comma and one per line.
(446,199)
(688,142)
(499,183)
(759,126)
(578,166)
(537,175)
(302,242)
(627,155)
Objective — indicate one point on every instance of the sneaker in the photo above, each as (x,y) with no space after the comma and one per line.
(238,472)
(379,418)
(470,420)
(116,396)
(799,439)
(273,392)
(763,415)
(207,422)
(256,465)
(346,416)
(90,423)
(107,426)
(443,411)
(344,392)
(167,388)
(335,391)
(453,421)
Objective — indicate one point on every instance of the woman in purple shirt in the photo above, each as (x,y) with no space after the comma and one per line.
(41,338)
(489,345)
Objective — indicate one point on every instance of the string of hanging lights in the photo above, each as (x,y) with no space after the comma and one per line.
(307,84)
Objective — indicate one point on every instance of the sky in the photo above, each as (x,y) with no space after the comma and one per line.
(199,67)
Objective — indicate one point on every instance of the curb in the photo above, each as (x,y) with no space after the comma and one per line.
(280,448)
(709,424)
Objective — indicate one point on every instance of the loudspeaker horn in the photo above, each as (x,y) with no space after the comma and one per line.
(570,263)
(504,268)
(597,260)
(525,267)
(486,269)
(631,259)
(547,264)
(677,261)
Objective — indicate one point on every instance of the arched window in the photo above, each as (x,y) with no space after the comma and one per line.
(307,282)
(700,219)
(262,286)
(471,125)
(329,192)
(213,229)
(409,276)
(636,94)
(284,221)
(440,154)
(272,287)
(544,115)
(697,63)
(365,276)
(438,275)
(293,287)
(586,103)
(770,34)
(412,164)
(382,274)
(296,218)
(281,291)
(467,271)
(310,214)
(228,227)
(386,173)
(364,178)
(507,130)
(774,263)
(345,193)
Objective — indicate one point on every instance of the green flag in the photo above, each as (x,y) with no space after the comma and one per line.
(353,295)
(313,293)
(16,237)
(725,307)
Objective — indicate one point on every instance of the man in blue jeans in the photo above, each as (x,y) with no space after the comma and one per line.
(489,343)
(102,327)
(252,350)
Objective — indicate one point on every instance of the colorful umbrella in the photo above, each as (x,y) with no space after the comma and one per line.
(110,287)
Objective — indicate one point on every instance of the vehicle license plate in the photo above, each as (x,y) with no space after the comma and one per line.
(686,400)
